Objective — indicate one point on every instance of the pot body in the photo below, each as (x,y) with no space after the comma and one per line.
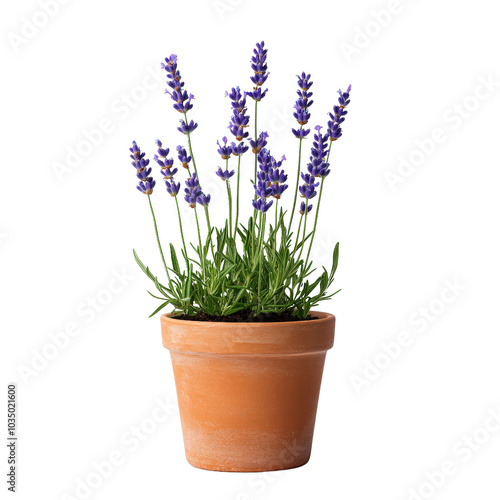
(248,392)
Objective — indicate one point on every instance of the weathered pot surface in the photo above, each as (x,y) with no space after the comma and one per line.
(248,392)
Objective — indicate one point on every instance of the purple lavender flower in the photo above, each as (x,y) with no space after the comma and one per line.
(277,176)
(136,154)
(334,130)
(239,149)
(239,120)
(261,205)
(238,100)
(302,105)
(262,189)
(164,163)
(259,67)
(307,191)
(192,190)
(225,151)
(168,173)
(317,166)
(183,156)
(264,159)
(172,187)
(147,186)
(175,82)
(187,128)
(301,133)
(224,174)
(140,163)
(143,173)
(302,208)
(309,179)
(259,143)
(182,100)
(162,153)
(263,176)
(278,189)
(258,94)
(238,125)
(203,200)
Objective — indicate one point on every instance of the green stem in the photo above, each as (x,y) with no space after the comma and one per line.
(189,144)
(202,253)
(230,200)
(296,184)
(276,214)
(255,168)
(315,219)
(237,198)
(304,231)
(182,232)
(194,166)
(158,237)
(298,233)
(210,232)
(317,207)
(262,224)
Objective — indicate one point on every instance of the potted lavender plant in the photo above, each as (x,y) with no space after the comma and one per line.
(246,347)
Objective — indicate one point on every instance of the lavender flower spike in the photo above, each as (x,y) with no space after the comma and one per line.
(338,116)
(239,120)
(259,66)
(318,167)
(302,105)
(140,163)
(192,190)
(182,100)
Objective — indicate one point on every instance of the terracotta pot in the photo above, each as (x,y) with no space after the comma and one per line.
(248,392)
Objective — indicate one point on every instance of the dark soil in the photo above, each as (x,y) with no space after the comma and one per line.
(245,317)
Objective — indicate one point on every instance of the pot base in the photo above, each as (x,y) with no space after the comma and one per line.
(216,468)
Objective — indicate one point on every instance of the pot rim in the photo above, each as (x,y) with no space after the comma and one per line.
(218,337)
(322,318)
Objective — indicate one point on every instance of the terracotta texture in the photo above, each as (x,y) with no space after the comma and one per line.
(248,392)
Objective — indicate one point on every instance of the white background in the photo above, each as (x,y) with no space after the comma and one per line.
(384,424)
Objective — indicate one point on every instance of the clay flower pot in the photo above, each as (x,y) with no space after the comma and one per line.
(248,392)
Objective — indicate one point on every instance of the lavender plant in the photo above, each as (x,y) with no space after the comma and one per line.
(262,267)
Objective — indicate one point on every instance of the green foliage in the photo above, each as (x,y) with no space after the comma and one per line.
(249,270)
